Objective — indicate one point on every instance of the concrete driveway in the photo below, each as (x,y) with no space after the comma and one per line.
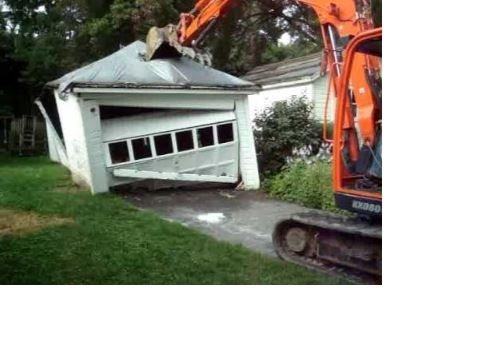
(239,217)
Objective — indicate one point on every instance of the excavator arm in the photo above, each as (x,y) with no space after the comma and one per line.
(349,17)
(340,21)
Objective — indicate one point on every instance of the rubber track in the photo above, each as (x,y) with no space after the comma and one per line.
(329,221)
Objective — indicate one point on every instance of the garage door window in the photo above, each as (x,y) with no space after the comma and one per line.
(141,148)
(205,137)
(225,133)
(185,141)
(163,144)
(157,145)
(119,152)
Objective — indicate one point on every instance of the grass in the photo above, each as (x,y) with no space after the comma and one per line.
(64,235)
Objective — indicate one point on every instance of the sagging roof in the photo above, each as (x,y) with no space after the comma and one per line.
(306,67)
(127,68)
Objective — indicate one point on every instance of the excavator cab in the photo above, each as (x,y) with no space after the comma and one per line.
(357,148)
(316,239)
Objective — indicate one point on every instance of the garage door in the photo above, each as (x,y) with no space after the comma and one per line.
(205,151)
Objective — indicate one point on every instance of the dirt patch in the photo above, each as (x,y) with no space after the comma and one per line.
(19,223)
(69,189)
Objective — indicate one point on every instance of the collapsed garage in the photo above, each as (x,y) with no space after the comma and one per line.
(123,119)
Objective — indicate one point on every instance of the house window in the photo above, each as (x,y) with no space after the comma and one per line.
(225,133)
(141,148)
(119,152)
(185,141)
(163,144)
(205,137)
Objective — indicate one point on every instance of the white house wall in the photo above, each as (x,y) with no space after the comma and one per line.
(267,97)
(320,93)
(314,91)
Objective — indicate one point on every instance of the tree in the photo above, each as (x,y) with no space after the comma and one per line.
(257,26)
(43,39)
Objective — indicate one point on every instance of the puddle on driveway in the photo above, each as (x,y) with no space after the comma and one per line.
(212,218)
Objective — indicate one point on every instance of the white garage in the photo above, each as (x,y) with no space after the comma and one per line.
(123,119)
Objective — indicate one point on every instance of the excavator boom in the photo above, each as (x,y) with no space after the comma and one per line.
(346,17)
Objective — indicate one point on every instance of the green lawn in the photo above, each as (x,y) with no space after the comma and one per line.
(104,240)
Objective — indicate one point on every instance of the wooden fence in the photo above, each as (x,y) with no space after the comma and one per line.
(23,136)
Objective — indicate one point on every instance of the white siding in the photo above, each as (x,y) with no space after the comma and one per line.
(95,149)
(70,113)
(315,91)
(265,98)
(247,151)
(82,135)
(320,92)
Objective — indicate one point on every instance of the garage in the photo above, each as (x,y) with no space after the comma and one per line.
(123,120)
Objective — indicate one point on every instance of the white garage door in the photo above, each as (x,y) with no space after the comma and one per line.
(188,146)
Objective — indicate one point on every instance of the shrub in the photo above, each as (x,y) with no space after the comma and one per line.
(287,126)
(307,184)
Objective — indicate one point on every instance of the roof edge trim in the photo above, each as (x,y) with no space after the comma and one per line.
(165,90)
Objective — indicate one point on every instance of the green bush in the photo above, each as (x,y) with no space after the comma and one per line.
(307,184)
(287,126)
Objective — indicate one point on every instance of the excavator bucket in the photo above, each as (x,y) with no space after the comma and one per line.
(164,43)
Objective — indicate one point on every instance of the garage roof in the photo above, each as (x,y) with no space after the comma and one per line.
(306,67)
(127,68)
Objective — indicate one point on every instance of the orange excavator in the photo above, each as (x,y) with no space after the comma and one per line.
(353,52)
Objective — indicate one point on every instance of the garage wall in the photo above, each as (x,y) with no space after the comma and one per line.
(70,113)
(80,123)
(95,151)
(248,157)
